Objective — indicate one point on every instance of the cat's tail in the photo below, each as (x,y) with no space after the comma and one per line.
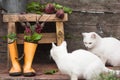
(116,72)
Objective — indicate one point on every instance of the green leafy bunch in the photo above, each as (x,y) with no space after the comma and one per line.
(108,76)
(65,9)
(35,7)
(38,8)
(11,36)
(31,34)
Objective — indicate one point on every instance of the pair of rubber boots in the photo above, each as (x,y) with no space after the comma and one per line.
(29,52)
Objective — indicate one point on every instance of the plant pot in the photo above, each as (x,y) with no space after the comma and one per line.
(15,69)
(29,52)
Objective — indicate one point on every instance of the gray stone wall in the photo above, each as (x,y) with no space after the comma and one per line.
(87,22)
(88,15)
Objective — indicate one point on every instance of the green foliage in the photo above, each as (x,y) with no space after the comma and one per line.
(12,37)
(65,9)
(109,76)
(50,71)
(57,6)
(35,37)
(32,33)
(32,28)
(36,7)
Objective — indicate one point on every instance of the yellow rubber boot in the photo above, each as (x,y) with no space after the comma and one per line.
(15,69)
(29,52)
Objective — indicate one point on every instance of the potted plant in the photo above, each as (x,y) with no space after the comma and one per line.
(32,34)
(12,46)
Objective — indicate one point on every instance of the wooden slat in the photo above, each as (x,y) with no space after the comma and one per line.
(59,32)
(11,29)
(32,17)
(47,38)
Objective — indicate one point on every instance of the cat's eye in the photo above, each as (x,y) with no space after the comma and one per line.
(85,42)
(90,43)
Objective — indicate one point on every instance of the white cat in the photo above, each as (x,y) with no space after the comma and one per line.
(108,48)
(78,64)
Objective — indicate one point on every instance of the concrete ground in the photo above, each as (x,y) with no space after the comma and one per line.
(40,70)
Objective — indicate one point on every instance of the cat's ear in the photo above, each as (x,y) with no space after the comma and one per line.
(53,45)
(64,43)
(93,36)
(83,34)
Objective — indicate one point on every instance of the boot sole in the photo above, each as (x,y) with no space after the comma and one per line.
(29,74)
(15,74)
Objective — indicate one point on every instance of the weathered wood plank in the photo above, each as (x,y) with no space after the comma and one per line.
(32,17)
(47,38)
(11,28)
(59,32)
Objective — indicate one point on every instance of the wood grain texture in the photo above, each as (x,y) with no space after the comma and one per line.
(46,38)
(59,32)
(32,17)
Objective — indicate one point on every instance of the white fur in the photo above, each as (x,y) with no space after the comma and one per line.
(78,64)
(108,48)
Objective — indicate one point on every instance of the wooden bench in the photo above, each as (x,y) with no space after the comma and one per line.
(56,37)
